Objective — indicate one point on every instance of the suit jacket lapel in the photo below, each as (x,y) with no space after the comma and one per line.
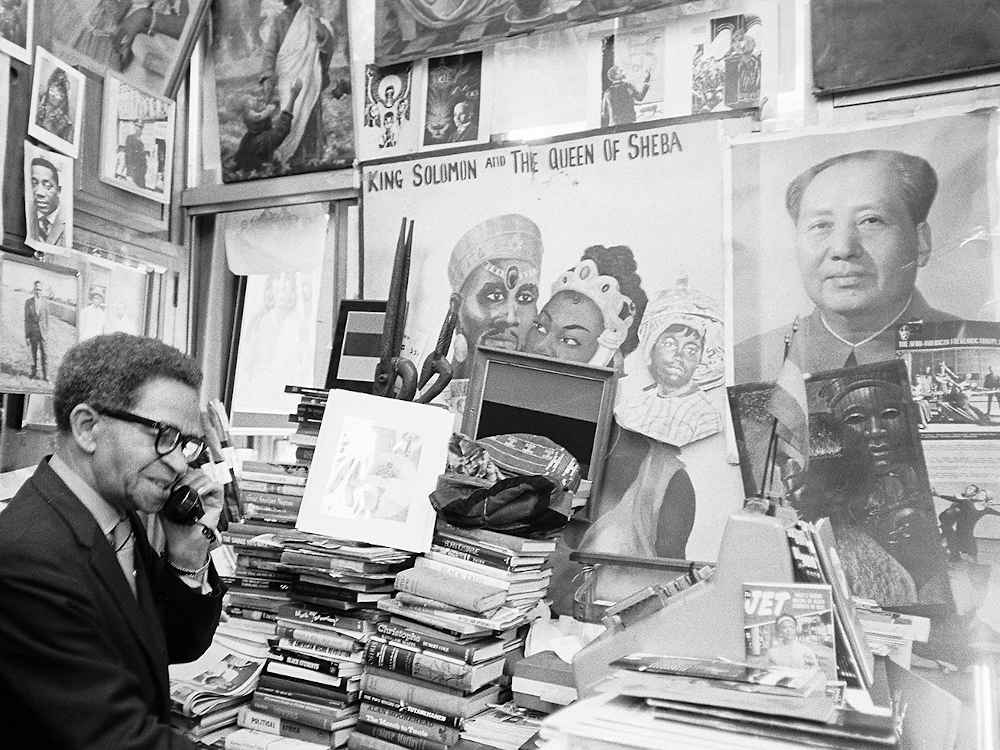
(104,562)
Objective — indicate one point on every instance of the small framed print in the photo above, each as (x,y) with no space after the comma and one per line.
(137,140)
(48,199)
(356,345)
(39,322)
(17,24)
(56,112)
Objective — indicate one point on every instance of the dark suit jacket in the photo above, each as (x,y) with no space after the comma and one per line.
(83,663)
(36,319)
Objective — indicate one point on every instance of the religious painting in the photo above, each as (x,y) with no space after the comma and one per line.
(865,472)
(410,29)
(56,111)
(39,322)
(283,87)
(859,230)
(389,120)
(147,44)
(17,25)
(454,103)
(632,77)
(137,140)
(48,199)
(583,249)
(857,44)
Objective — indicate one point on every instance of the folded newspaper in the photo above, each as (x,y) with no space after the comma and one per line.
(221,677)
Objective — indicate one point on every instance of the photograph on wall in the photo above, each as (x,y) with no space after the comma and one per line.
(115,298)
(17,25)
(454,101)
(859,231)
(283,87)
(148,44)
(857,44)
(632,83)
(137,140)
(56,112)
(39,411)
(726,67)
(865,472)
(585,249)
(39,323)
(377,461)
(48,199)
(390,123)
(409,29)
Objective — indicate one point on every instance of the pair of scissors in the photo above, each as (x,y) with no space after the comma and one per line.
(395,375)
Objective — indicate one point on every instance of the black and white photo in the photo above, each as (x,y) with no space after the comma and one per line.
(57,96)
(48,199)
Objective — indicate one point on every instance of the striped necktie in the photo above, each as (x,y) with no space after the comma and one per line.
(122,539)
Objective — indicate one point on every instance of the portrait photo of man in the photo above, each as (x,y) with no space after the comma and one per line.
(872,239)
(48,207)
(36,329)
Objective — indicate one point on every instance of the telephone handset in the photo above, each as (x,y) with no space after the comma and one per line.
(184,506)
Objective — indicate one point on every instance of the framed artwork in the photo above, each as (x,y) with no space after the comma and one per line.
(57,96)
(865,473)
(17,25)
(115,298)
(148,44)
(40,303)
(927,253)
(137,140)
(454,104)
(48,199)
(283,88)
(377,460)
(858,45)
(534,228)
(726,68)
(356,345)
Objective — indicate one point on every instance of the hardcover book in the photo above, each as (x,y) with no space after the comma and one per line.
(790,625)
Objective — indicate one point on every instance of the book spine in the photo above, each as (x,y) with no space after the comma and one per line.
(306,661)
(416,664)
(393,740)
(307,391)
(471,551)
(319,638)
(272,500)
(256,582)
(312,618)
(415,728)
(250,613)
(294,710)
(285,671)
(290,687)
(355,657)
(255,512)
(449,704)
(276,725)
(294,557)
(442,588)
(271,488)
(358,741)
(459,574)
(401,636)
(469,562)
(411,711)
(415,600)
(260,476)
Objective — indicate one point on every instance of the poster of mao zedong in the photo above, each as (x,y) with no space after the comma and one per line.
(858,232)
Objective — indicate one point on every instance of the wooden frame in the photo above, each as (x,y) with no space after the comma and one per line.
(542,396)
(356,343)
(126,106)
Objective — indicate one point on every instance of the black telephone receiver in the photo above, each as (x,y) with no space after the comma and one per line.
(184,505)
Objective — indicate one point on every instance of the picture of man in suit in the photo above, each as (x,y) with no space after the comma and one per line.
(136,161)
(36,328)
(92,612)
(861,236)
(46,223)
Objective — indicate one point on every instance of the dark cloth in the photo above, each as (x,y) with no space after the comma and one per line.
(257,145)
(83,662)
(759,358)
(521,506)
(36,331)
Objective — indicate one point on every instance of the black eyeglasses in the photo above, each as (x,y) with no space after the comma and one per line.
(168,437)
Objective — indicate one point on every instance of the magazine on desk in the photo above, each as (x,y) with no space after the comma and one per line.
(221,676)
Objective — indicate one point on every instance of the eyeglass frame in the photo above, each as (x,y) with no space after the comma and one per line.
(160,427)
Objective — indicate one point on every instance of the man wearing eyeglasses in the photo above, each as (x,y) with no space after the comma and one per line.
(90,612)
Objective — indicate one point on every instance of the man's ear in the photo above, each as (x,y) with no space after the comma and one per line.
(85,424)
(924,244)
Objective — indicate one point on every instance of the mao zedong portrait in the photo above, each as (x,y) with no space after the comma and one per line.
(861,237)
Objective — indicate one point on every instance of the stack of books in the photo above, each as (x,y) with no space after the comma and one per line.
(307,419)
(271,493)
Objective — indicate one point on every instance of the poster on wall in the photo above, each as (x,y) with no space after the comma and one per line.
(390,124)
(455,105)
(726,66)
(48,199)
(17,25)
(605,249)
(409,29)
(283,87)
(858,44)
(859,231)
(632,77)
(147,44)
(115,298)
(56,112)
